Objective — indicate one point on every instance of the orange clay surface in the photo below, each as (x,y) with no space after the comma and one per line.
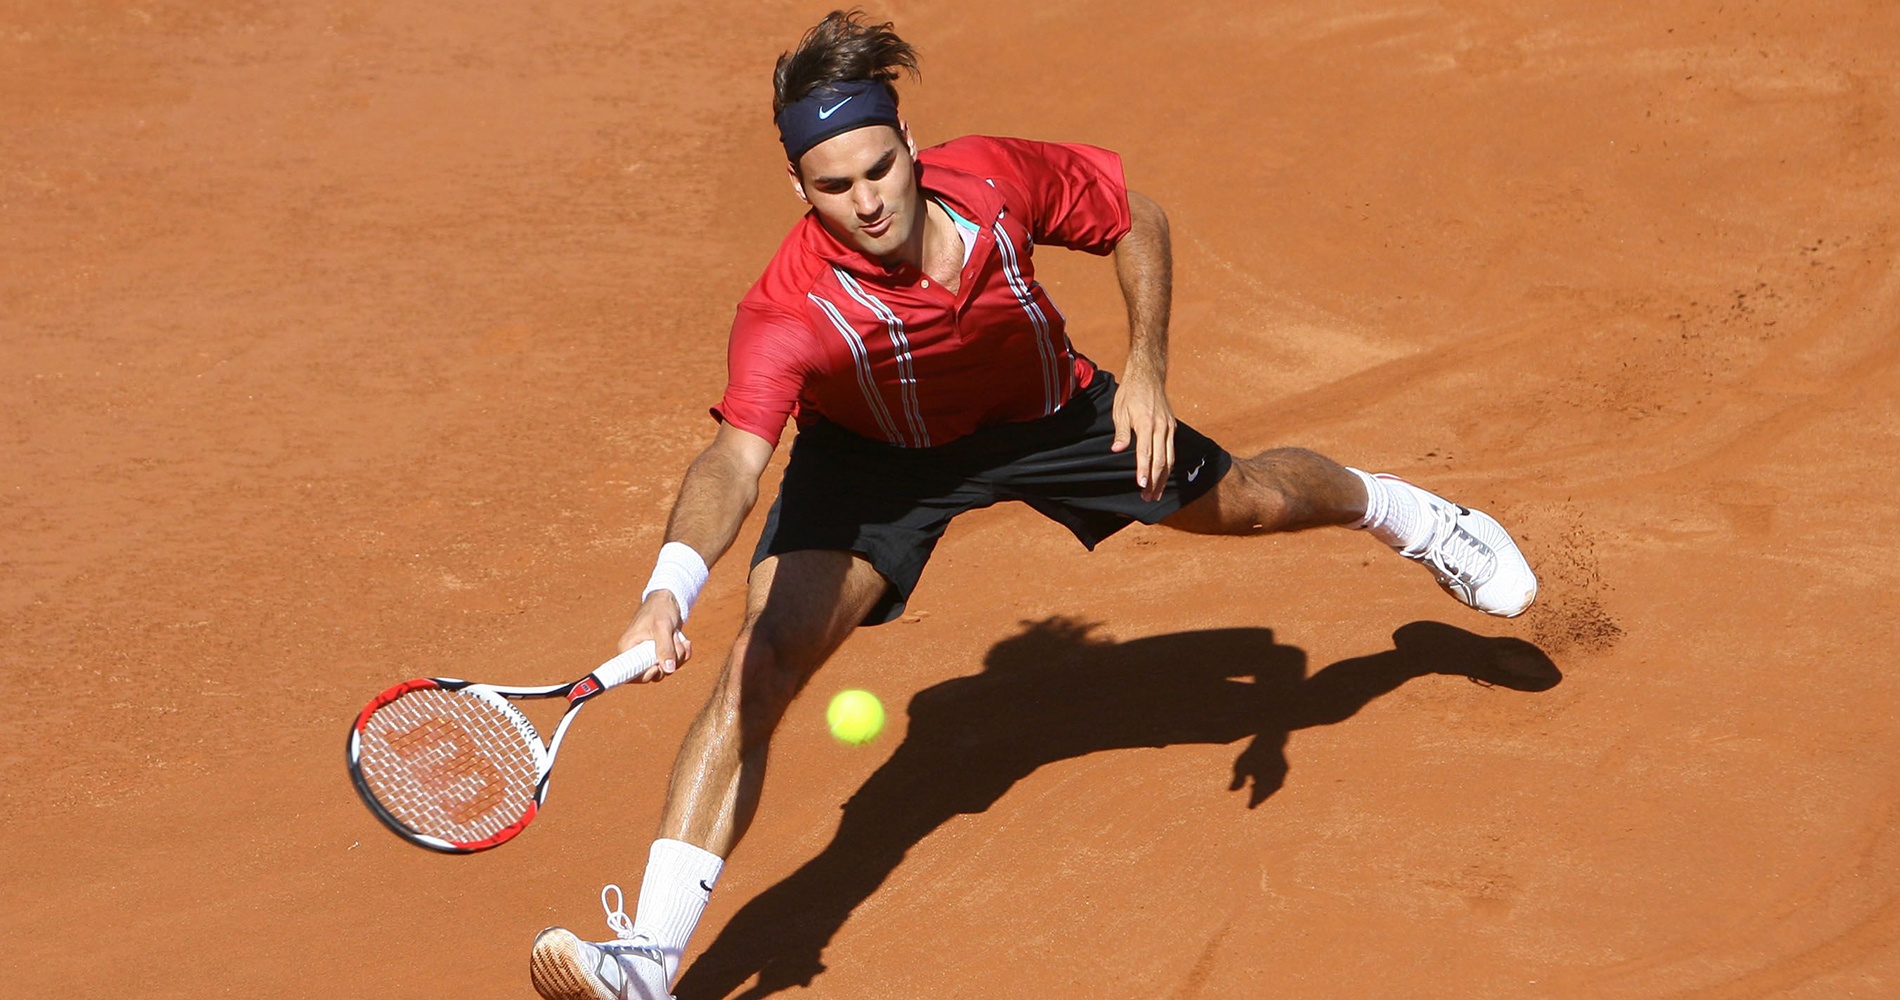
(343,342)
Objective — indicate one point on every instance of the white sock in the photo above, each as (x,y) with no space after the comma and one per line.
(679,880)
(1393,514)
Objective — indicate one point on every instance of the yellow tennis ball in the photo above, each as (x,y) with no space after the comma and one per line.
(855,716)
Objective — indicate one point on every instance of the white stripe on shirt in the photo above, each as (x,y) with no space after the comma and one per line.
(1045,342)
(866,382)
(906,370)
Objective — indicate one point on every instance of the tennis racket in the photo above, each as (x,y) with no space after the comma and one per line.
(453,766)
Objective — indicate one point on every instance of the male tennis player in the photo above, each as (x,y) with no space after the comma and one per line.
(901,325)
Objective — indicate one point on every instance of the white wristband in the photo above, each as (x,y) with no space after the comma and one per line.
(681,571)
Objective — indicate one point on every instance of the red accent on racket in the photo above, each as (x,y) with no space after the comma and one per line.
(452,766)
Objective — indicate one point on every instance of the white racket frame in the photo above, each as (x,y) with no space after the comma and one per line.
(617,671)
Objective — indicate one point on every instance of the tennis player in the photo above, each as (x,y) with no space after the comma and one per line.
(901,326)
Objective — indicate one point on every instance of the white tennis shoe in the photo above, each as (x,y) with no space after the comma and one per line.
(630,967)
(1471,556)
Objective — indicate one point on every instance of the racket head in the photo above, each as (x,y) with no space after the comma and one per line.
(448,765)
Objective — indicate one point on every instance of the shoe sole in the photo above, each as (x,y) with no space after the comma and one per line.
(556,969)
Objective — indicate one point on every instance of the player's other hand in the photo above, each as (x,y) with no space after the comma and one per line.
(659,620)
(1144,418)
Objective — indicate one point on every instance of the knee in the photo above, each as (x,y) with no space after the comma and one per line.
(1269,499)
(1295,489)
(760,681)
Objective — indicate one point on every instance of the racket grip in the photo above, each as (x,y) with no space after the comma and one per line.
(626,666)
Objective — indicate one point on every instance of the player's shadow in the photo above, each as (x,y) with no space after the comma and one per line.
(1053,692)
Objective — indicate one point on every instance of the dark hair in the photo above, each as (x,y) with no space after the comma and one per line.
(843,46)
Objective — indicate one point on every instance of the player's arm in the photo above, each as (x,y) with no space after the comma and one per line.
(715,496)
(1144,265)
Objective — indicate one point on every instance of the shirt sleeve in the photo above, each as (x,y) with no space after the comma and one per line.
(1078,197)
(765,371)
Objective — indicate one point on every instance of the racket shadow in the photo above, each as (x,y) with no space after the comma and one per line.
(1056,691)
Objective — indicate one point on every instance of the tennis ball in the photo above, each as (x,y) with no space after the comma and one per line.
(855,716)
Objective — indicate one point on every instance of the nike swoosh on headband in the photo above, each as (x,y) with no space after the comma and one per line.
(824,113)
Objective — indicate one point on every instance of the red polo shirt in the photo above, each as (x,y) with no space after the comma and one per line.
(890,355)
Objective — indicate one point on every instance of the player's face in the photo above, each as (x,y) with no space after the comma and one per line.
(864,185)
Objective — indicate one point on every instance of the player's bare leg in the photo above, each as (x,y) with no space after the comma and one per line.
(1289,489)
(799,609)
(1285,489)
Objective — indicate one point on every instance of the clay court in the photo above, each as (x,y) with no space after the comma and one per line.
(345,342)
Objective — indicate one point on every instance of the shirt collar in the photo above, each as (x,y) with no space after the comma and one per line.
(973,197)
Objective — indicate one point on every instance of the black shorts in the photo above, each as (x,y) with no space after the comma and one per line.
(891,504)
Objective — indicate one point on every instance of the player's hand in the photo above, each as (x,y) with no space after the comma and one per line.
(1142,415)
(659,620)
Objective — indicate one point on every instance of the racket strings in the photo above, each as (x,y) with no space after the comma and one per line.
(451,764)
